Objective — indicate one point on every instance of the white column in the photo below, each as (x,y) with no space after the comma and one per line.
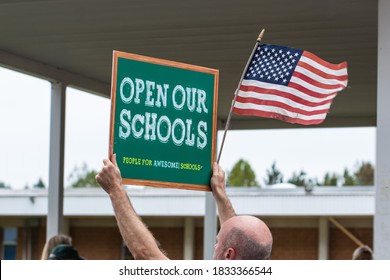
(323,239)
(210,227)
(210,219)
(189,234)
(56,160)
(382,168)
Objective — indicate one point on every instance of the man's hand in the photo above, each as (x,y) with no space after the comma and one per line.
(217,181)
(109,178)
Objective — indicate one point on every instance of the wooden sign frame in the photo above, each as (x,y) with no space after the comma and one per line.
(163,121)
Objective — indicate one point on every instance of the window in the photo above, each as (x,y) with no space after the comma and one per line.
(9,243)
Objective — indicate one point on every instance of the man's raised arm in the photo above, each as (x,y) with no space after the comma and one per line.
(136,235)
(217,183)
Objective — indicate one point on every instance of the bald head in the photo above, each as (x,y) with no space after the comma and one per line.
(243,238)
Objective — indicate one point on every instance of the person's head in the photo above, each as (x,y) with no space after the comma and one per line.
(53,242)
(243,238)
(64,252)
(362,253)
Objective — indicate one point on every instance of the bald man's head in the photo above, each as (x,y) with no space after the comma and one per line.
(243,238)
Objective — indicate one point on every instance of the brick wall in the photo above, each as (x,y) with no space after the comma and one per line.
(104,242)
(198,254)
(342,247)
(97,243)
(171,241)
(295,244)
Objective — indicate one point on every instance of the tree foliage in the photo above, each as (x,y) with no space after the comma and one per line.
(82,177)
(362,175)
(298,179)
(274,175)
(365,174)
(4,186)
(242,174)
(330,179)
(349,179)
(39,184)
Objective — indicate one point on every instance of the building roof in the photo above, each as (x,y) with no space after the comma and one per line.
(72,41)
(321,201)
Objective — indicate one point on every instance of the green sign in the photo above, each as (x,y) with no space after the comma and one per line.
(163,121)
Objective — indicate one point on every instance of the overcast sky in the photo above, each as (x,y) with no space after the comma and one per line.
(25,124)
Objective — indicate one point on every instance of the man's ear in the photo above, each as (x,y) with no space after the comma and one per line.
(230,254)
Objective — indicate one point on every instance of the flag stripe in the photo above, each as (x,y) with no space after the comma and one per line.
(286,104)
(303,66)
(288,92)
(273,115)
(279,110)
(310,89)
(259,93)
(338,69)
(277,113)
(317,83)
(323,78)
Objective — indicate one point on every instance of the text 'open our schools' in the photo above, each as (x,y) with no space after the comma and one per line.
(154,127)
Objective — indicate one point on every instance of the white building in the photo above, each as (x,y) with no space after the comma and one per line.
(299,220)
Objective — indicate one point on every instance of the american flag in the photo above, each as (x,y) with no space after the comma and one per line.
(289,84)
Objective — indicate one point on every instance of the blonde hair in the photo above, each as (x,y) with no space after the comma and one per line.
(53,242)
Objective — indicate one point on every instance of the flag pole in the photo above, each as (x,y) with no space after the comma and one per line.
(235,94)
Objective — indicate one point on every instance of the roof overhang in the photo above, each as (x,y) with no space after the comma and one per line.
(72,42)
(155,202)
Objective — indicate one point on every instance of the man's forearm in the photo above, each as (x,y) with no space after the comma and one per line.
(217,183)
(225,208)
(137,237)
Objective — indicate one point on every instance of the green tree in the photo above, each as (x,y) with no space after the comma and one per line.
(242,174)
(4,186)
(298,179)
(39,185)
(349,180)
(365,174)
(330,179)
(274,176)
(82,177)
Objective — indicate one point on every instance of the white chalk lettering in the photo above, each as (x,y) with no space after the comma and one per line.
(182,94)
(154,126)
(201,102)
(191,101)
(150,126)
(123,134)
(180,123)
(149,92)
(141,119)
(190,140)
(139,88)
(202,129)
(162,95)
(126,82)
(163,119)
